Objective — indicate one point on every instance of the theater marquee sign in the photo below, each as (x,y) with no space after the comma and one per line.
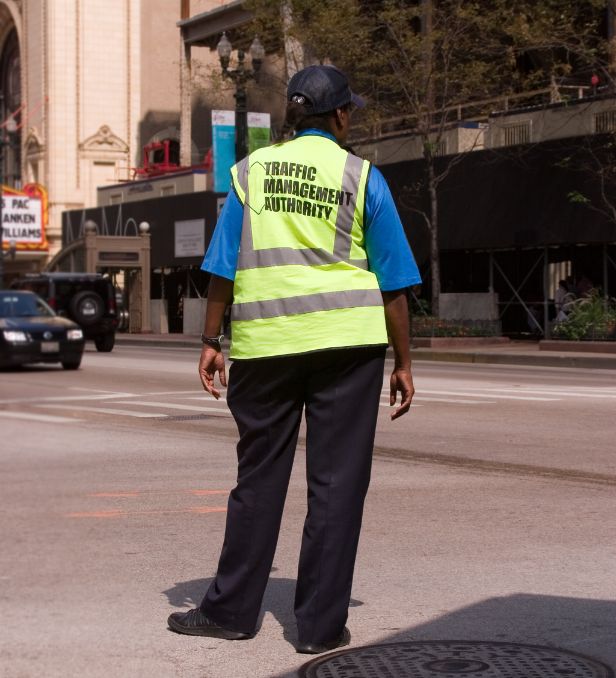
(24,218)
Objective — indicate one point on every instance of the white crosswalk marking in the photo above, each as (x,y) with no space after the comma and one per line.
(171,406)
(172,393)
(205,398)
(435,392)
(458,401)
(567,393)
(479,394)
(49,399)
(103,410)
(31,416)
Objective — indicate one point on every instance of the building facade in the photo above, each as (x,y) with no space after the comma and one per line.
(87,83)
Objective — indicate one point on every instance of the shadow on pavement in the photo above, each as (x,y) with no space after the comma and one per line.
(278,600)
(579,625)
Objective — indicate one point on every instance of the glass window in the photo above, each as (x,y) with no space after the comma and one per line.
(20,305)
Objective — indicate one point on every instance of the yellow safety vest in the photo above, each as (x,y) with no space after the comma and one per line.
(302,281)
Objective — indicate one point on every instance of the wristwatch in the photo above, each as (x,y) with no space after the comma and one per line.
(214,342)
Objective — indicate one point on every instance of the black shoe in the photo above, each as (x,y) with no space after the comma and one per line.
(195,623)
(316,648)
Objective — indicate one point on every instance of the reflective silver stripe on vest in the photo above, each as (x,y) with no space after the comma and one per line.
(242,173)
(250,258)
(308,303)
(242,178)
(344,220)
(287,256)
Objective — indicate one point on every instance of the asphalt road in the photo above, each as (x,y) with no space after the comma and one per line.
(491,516)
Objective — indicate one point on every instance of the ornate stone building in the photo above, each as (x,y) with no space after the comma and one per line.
(88,82)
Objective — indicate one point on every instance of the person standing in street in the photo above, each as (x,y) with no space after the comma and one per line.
(310,251)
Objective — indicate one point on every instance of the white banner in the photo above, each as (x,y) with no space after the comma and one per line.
(21,219)
(259,120)
(223,118)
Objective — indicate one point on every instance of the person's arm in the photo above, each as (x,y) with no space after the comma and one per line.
(391,260)
(220,295)
(221,262)
(397,319)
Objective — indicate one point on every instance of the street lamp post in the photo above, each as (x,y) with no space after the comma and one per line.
(6,128)
(240,77)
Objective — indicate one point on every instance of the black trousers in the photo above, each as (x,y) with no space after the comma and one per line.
(340,391)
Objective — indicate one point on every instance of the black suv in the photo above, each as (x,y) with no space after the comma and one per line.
(87,298)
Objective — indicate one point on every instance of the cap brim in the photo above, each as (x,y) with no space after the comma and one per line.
(357,100)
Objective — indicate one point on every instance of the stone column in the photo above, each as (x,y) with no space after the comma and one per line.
(185,104)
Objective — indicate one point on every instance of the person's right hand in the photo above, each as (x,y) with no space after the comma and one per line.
(401,380)
(211,362)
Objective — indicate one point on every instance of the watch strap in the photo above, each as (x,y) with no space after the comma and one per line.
(214,342)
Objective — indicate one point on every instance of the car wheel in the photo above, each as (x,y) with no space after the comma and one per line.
(86,308)
(71,364)
(104,342)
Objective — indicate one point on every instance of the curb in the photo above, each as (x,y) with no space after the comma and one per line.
(155,342)
(586,362)
(595,362)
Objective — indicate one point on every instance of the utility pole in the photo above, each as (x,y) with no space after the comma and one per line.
(7,127)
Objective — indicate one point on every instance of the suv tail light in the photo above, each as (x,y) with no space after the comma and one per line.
(111,304)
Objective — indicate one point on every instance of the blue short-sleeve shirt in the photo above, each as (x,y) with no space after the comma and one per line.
(389,255)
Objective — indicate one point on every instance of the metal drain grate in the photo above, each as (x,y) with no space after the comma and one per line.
(452,659)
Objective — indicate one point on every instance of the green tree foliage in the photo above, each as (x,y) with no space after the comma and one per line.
(589,318)
(424,59)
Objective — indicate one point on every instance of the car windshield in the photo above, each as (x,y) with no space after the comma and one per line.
(15,305)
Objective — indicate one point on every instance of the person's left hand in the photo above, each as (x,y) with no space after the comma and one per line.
(211,362)
(401,380)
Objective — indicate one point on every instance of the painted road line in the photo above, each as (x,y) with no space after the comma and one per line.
(142,493)
(103,410)
(50,399)
(178,393)
(205,398)
(30,416)
(457,401)
(478,394)
(117,513)
(564,393)
(393,407)
(193,393)
(170,406)
(91,390)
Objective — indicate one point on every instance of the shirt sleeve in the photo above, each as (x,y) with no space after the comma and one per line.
(221,256)
(389,254)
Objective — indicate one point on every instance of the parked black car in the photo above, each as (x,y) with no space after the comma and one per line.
(87,298)
(30,332)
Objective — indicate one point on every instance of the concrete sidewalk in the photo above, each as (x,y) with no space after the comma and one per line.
(511,353)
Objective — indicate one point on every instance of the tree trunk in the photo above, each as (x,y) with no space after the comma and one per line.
(611,37)
(293,49)
(427,7)
(435,266)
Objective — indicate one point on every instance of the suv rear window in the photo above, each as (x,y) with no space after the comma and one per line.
(40,287)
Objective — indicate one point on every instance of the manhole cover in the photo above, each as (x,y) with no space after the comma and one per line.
(453,659)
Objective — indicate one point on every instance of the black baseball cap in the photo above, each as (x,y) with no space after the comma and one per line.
(321,89)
